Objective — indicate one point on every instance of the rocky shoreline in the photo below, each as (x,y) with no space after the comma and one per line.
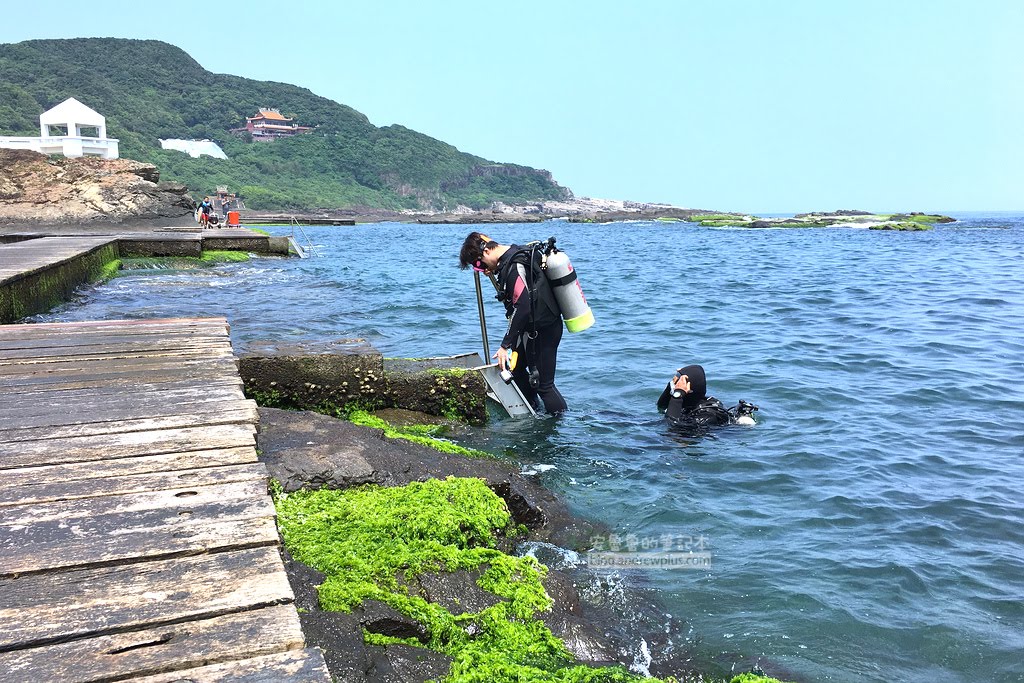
(306,449)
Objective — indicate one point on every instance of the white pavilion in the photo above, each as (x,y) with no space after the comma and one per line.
(71,129)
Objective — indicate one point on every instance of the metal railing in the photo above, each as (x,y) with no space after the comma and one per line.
(305,237)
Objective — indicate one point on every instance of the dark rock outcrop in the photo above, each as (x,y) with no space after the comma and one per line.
(40,190)
(305,448)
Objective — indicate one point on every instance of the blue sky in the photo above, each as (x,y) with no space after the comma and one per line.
(771,106)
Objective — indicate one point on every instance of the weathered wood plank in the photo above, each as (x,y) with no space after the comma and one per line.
(163,502)
(18,490)
(31,359)
(15,404)
(157,650)
(238,412)
(46,608)
(64,367)
(102,327)
(301,666)
(126,380)
(125,375)
(116,407)
(93,447)
(123,467)
(56,546)
(71,347)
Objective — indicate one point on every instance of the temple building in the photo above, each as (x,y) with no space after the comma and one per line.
(269,124)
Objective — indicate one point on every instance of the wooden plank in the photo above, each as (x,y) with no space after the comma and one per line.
(77,347)
(12,404)
(301,666)
(120,406)
(70,367)
(132,381)
(15,518)
(32,359)
(51,607)
(124,374)
(93,447)
(141,326)
(157,650)
(120,543)
(122,467)
(213,414)
(19,490)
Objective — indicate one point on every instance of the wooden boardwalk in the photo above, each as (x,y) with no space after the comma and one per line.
(137,539)
(22,258)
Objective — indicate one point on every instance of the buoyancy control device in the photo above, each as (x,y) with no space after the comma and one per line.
(565,285)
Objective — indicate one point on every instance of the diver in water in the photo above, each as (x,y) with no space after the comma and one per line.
(686,403)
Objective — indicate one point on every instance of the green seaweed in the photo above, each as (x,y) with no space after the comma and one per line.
(372,542)
(425,435)
(904,226)
(220,256)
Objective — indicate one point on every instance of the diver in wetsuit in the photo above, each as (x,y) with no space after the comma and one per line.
(534,320)
(686,403)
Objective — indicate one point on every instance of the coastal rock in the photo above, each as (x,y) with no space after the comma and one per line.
(395,462)
(405,664)
(385,620)
(36,189)
(456,591)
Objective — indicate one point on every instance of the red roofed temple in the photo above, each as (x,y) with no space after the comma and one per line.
(269,124)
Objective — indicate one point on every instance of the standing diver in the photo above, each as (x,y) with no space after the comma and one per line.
(686,402)
(534,318)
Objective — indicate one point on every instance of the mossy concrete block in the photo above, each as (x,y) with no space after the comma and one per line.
(312,375)
(42,289)
(277,245)
(328,376)
(257,244)
(171,246)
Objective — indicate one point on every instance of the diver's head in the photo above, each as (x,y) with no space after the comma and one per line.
(472,252)
(697,383)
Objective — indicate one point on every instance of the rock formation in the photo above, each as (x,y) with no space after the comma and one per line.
(39,190)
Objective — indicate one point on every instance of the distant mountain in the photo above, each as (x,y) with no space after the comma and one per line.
(149,90)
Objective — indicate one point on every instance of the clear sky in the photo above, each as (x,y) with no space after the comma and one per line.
(743,105)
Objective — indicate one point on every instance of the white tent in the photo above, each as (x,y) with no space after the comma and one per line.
(75,116)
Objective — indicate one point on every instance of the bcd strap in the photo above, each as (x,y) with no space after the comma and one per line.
(564,280)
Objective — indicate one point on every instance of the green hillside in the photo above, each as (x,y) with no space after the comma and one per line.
(149,90)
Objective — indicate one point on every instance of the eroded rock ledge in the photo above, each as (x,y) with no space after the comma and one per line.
(39,190)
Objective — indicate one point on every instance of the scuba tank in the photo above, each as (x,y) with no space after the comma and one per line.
(566,288)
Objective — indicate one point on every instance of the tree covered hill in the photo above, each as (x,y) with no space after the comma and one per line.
(149,90)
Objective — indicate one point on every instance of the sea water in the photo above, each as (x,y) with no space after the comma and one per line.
(870,527)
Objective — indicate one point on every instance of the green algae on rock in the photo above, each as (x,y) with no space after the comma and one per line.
(423,434)
(904,226)
(372,542)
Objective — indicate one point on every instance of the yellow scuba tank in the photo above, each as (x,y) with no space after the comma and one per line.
(568,293)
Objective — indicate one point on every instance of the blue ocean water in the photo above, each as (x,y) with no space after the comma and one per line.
(870,527)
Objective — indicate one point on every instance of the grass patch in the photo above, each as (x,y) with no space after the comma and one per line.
(371,542)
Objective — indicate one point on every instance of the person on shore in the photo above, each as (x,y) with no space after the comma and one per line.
(534,319)
(686,403)
(205,209)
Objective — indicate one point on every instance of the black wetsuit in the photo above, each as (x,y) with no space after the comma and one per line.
(534,326)
(695,409)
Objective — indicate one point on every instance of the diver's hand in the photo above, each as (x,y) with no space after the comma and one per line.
(502,355)
(681,383)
